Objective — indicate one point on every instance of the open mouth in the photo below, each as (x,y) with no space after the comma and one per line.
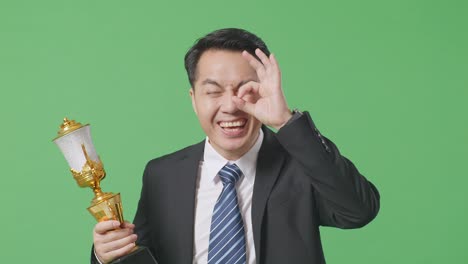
(233,128)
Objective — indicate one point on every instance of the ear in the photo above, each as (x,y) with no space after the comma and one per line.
(194,103)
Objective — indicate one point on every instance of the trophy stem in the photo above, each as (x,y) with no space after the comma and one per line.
(98,194)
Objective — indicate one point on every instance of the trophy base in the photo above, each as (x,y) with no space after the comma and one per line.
(141,255)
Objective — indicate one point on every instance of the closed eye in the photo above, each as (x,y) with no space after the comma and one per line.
(216,92)
(213,89)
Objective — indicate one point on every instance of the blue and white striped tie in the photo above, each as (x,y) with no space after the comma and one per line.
(227,238)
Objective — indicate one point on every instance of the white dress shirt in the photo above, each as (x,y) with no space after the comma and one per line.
(209,187)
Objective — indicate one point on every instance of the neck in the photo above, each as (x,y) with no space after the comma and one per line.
(235,154)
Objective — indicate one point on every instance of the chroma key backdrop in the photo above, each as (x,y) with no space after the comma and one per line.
(387,81)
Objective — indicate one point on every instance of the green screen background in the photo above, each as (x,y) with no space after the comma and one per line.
(387,81)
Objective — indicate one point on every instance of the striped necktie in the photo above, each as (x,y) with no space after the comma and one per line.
(227,237)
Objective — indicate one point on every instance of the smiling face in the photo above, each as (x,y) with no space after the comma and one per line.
(219,75)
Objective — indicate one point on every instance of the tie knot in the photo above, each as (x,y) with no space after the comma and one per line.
(230,173)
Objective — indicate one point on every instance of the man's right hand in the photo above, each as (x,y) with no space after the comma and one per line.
(113,240)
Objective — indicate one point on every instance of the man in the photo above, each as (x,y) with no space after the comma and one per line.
(245,194)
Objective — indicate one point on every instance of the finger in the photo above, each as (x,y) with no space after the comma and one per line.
(118,244)
(274,62)
(263,57)
(275,67)
(250,87)
(112,235)
(257,65)
(109,256)
(106,226)
(128,225)
(243,105)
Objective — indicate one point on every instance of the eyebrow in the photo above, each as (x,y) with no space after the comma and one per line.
(210,81)
(213,82)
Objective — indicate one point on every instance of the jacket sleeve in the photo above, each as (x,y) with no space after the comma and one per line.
(141,221)
(344,198)
(94,259)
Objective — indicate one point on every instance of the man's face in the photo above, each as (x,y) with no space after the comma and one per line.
(219,75)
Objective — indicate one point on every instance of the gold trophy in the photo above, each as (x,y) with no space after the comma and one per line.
(74,140)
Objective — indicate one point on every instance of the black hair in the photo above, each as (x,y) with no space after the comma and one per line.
(233,39)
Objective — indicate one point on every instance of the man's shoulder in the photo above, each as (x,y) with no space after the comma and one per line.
(177,156)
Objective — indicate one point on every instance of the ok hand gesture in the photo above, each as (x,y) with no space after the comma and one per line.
(270,108)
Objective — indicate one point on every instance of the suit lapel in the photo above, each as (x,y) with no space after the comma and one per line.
(269,163)
(185,178)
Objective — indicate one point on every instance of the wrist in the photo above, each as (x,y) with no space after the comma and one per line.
(285,118)
(97,257)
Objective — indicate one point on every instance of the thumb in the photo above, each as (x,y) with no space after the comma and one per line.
(243,105)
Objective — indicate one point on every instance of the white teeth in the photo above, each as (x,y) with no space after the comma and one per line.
(232,124)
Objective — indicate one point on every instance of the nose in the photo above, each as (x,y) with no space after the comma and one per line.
(227,105)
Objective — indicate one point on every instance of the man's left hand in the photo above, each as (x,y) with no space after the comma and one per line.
(270,106)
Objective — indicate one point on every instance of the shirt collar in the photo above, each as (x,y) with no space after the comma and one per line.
(213,162)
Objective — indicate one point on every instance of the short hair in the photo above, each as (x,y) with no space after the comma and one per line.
(232,39)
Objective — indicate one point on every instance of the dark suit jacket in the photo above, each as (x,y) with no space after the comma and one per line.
(302,182)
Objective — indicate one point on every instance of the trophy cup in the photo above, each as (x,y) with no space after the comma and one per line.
(74,140)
